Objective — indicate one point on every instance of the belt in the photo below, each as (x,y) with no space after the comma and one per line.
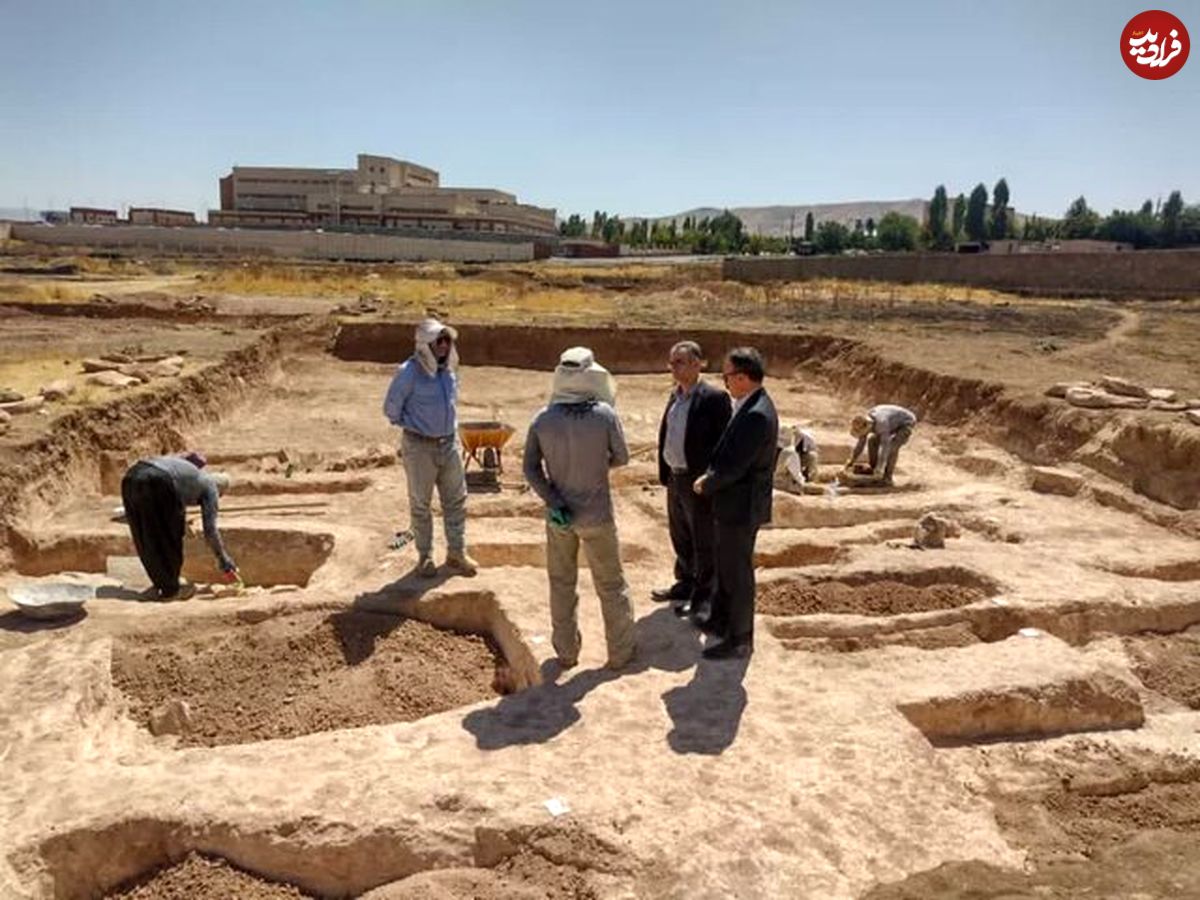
(429,439)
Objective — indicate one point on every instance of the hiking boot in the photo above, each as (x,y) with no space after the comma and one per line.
(185,591)
(426,567)
(461,563)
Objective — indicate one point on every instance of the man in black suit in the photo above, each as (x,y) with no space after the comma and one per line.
(739,481)
(695,417)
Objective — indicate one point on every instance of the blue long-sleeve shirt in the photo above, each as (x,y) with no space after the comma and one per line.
(196,488)
(424,403)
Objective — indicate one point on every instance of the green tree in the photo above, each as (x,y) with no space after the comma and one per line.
(939,238)
(1139,229)
(831,237)
(898,232)
(573,226)
(808,226)
(1000,223)
(1171,212)
(1080,221)
(957,216)
(975,224)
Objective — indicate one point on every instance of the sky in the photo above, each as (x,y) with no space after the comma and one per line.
(637,108)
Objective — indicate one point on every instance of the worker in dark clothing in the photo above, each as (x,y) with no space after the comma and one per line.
(155,493)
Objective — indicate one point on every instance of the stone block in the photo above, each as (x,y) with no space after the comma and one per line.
(1046,480)
(1122,386)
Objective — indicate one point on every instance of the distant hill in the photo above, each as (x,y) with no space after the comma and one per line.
(777,221)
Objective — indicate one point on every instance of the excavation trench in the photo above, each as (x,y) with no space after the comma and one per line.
(874,593)
(159,859)
(265,556)
(297,674)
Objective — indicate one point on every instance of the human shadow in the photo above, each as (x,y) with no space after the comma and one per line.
(374,615)
(707,711)
(120,592)
(539,713)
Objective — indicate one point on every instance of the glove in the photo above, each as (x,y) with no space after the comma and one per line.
(559,517)
(231,575)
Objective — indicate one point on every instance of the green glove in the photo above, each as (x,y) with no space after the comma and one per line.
(559,517)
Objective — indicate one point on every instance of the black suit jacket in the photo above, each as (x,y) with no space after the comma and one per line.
(706,420)
(739,478)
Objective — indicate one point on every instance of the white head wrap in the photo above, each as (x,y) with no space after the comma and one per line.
(428,331)
(579,378)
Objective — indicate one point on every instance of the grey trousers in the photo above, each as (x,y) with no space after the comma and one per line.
(603,553)
(899,439)
(430,462)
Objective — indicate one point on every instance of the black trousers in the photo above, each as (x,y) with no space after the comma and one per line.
(733,601)
(156,518)
(691,523)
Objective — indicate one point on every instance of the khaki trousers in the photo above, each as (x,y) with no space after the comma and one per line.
(601,547)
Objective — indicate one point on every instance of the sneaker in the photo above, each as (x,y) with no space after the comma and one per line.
(426,567)
(461,563)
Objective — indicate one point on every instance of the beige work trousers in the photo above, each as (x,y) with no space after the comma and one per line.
(603,553)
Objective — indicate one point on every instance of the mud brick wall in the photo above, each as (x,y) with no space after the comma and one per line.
(1146,273)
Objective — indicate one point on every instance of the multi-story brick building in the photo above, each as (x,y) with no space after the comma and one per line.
(381,193)
(88,215)
(144,215)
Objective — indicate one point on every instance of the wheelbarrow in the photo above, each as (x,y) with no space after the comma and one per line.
(483,444)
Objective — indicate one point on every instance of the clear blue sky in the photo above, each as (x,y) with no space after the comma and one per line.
(642,108)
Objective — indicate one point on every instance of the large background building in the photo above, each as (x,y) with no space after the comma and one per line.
(381,193)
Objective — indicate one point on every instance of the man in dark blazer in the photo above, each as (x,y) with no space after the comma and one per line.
(739,481)
(695,417)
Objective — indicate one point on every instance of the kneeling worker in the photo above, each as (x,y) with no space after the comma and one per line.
(884,429)
(798,461)
(155,492)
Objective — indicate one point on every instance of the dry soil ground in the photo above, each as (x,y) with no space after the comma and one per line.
(1011,716)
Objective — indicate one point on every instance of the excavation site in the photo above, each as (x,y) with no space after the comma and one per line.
(979,680)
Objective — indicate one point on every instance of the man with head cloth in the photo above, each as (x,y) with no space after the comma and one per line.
(423,400)
(571,445)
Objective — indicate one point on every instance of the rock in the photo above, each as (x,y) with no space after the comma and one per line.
(163,369)
(1060,389)
(1122,386)
(122,359)
(172,717)
(1193,403)
(1093,399)
(149,371)
(58,390)
(932,530)
(112,379)
(8,395)
(1193,416)
(5,417)
(1166,406)
(1165,394)
(1046,480)
(99,365)
(175,360)
(21,407)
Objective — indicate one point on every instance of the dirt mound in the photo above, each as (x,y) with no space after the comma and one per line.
(300,674)
(1156,864)
(1168,664)
(206,878)
(876,598)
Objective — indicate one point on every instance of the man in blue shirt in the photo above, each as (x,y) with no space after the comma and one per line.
(423,400)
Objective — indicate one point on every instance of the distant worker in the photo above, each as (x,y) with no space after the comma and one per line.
(155,492)
(799,459)
(693,422)
(571,445)
(423,400)
(884,429)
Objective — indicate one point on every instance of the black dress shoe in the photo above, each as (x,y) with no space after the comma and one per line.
(674,592)
(683,610)
(729,649)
